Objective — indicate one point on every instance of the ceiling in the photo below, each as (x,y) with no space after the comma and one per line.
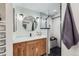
(47,8)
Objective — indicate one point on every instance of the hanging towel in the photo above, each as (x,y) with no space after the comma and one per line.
(70,33)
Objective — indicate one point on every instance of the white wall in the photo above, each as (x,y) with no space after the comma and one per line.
(74,50)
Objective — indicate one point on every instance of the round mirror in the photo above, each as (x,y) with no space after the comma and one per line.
(29,23)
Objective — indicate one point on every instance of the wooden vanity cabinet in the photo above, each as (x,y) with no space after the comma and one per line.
(30,48)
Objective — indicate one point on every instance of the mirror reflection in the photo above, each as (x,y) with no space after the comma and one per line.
(29,23)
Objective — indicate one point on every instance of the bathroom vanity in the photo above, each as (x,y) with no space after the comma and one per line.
(28,38)
(35,47)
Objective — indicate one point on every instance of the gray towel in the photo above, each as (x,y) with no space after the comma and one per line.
(70,33)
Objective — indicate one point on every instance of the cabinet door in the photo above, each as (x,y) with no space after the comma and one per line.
(40,47)
(29,49)
(22,49)
(43,46)
(15,49)
(19,49)
(37,50)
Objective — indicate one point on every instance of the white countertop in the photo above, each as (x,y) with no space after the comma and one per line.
(22,39)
